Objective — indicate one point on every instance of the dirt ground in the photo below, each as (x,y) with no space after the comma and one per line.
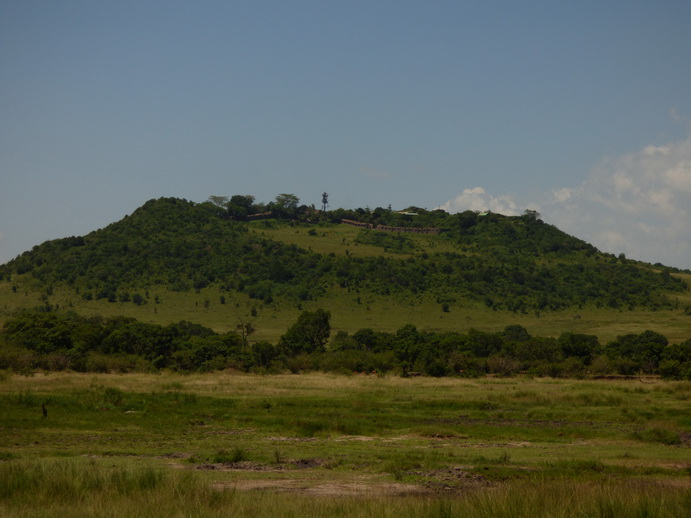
(310,481)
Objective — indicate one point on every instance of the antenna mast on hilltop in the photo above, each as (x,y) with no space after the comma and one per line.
(325,200)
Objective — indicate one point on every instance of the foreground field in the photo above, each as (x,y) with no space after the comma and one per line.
(320,445)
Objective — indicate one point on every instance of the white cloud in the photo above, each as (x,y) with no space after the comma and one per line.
(562,195)
(638,204)
(478,200)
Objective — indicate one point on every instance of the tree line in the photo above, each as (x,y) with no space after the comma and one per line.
(44,340)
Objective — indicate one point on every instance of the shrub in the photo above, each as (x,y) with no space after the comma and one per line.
(502,365)
(661,435)
(17,359)
(237,454)
(98,362)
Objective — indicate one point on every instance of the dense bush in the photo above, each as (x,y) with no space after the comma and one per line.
(516,264)
(57,341)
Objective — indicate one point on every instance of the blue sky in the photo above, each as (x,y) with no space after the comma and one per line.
(581,110)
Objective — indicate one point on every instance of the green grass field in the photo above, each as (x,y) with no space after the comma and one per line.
(352,311)
(316,445)
(342,239)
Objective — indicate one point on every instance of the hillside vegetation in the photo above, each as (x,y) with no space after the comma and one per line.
(517,264)
(206,286)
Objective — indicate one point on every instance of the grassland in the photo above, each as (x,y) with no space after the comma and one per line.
(343,239)
(351,311)
(316,445)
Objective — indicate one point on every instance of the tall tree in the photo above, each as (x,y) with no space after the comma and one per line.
(308,335)
(240,206)
(285,205)
(245,329)
(287,201)
(219,201)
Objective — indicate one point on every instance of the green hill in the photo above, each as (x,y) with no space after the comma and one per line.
(173,259)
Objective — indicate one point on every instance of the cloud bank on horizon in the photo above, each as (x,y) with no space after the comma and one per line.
(637,204)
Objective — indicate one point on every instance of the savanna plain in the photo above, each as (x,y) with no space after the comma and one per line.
(234,444)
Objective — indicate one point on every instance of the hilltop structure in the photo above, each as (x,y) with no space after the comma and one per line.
(387,228)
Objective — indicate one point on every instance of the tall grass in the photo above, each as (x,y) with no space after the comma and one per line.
(128,445)
(69,488)
(564,498)
(77,488)
(60,480)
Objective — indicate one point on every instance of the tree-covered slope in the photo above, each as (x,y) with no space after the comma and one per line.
(514,263)
(170,242)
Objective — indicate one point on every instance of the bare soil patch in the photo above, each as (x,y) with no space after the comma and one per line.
(453,479)
(359,486)
(246,465)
